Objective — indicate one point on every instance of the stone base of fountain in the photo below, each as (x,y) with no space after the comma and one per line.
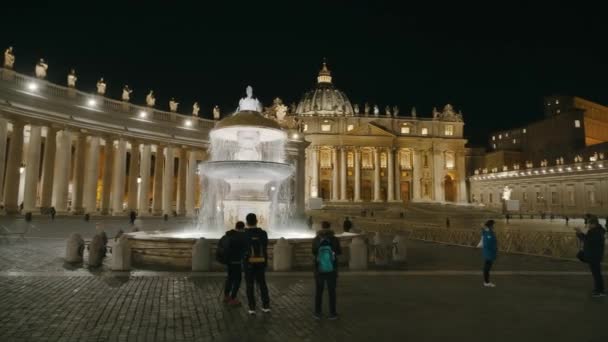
(173,251)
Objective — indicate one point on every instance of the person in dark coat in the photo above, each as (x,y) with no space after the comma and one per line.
(256,260)
(132,217)
(489,247)
(326,237)
(593,250)
(237,246)
(347,225)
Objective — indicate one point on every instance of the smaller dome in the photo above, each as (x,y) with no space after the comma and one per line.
(324,100)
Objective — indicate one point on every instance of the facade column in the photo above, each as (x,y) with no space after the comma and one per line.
(133,175)
(157,196)
(118,177)
(48,167)
(190,183)
(181,181)
(416,173)
(63,159)
(91,174)
(462,184)
(168,181)
(438,166)
(397,175)
(3,141)
(343,174)
(78,179)
(334,174)
(376,175)
(390,192)
(314,182)
(15,154)
(144,186)
(357,175)
(106,180)
(32,168)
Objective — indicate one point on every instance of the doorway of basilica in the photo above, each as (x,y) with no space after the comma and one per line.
(405,192)
(449,187)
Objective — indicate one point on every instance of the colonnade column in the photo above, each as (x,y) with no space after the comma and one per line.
(78,180)
(334,174)
(48,168)
(357,175)
(106,180)
(376,175)
(168,181)
(118,177)
(190,183)
(181,182)
(157,196)
(390,195)
(32,167)
(63,159)
(416,172)
(91,175)
(133,174)
(15,153)
(314,182)
(3,140)
(343,174)
(397,176)
(144,186)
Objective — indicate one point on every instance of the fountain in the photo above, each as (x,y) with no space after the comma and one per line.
(246,173)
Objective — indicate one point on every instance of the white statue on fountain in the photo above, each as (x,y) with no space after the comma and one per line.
(249,102)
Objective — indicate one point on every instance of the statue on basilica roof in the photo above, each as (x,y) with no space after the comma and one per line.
(376,110)
(9,58)
(387,110)
(72,79)
(41,68)
(413,112)
(216,112)
(367,108)
(249,102)
(435,113)
(150,99)
(356,109)
(126,93)
(448,114)
(173,105)
(395,111)
(195,109)
(101,87)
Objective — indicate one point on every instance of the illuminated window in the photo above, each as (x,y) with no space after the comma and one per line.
(577,123)
(515,141)
(325,159)
(366,160)
(325,127)
(523,131)
(449,130)
(405,129)
(556,101)
(350,159)
(305,127)
(558,111)
(405,159)
(494,145)
(493,138)
(425,131)
(450,160)
(500,136)
(383,160)
(350,127)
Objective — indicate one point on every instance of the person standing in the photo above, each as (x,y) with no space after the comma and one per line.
(593,251)
(310,222)
(489,247)
(347,225)
(256,260)
(237,244)
(567,219)
(132,217)
(326,248)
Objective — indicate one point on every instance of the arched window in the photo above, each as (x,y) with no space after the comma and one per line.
(405,159)
(326,159)
(450,160)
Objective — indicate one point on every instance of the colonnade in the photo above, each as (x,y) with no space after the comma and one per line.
(83,172)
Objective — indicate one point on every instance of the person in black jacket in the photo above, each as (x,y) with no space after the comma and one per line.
(593,250)
(237,245)
(347,225)
(326,237)
(256,260)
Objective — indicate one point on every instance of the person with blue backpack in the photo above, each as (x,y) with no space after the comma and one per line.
(489,247)
(255,262)
(326,248)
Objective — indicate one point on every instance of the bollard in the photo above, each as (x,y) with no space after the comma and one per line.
(97,251)
(121,254)
(399,248)
(282,257)
(201,255)
(358,254)
(74,249)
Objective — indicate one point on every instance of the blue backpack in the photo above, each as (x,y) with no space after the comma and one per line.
(325,257)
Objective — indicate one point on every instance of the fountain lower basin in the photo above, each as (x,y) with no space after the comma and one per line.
(247,171)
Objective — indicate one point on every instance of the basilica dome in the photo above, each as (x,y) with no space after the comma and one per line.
(324,100)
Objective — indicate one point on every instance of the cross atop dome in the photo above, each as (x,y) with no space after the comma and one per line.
(324,74)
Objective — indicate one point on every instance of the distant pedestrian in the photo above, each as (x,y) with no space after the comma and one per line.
(132,217)
(593,252)
(310,222)
(232,247)
(347,225)
(567,219)
(53,213)
(447,222)
(371,213)
(326,249)
(256,260)
(551,217)
(489,247)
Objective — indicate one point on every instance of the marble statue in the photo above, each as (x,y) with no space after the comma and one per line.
(387,110)
(72,79)
(9,58)
(280,110)
(395,111)
(216,112)
(601,156)
(195,109)
(173,105)
(366,108)
(150,99)
(101,87)
(356,109)
(435,113)
(126,93)
(376,110)
(249,102)
(413,112)
(506,193)
(41,68)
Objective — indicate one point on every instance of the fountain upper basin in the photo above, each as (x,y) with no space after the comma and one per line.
(247,170)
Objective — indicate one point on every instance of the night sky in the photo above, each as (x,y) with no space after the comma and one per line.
(494,63)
